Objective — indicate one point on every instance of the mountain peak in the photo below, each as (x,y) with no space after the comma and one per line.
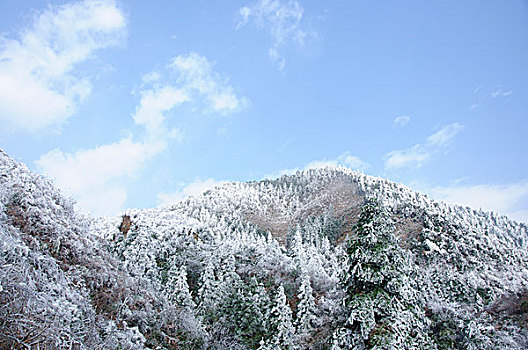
(324,258)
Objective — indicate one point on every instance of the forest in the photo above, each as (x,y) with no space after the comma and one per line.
(324,259)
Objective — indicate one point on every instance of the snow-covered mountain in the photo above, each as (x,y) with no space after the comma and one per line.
(324,259)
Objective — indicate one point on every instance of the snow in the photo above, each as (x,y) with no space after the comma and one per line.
(258,264)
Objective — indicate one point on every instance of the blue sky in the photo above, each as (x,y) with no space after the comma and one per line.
(137,104)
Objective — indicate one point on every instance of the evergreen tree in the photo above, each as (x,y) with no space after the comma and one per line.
(296,244)
(179,289)
(246,313)
(209,295)
(281,323)
(384,311)
(230,278)
(306,306)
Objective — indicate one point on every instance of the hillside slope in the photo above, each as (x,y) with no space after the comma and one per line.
(59,287)
(324,259)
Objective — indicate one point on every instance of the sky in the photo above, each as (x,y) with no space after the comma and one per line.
(136,104)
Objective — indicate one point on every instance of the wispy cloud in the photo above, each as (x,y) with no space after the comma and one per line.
(419,154)
(509,199)
(96,176)
(194,188)
(188,79)
(282,19)
(402,120)
(39,64)
(196,77)
(286,144)
(481,97)
(344,159)
(499,92)
(154,104)
(475,105)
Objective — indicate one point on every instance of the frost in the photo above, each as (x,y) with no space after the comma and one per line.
(432,246)
(292,263)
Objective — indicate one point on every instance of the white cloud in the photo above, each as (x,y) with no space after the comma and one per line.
(283,20)
(154,103)
(187,79)
(38,84)
(107,200)
(498,92)
(344,159)
(93,176)
(416,155)
(519,215)
(93,167)
(501,93)
(444,136)
(509,199)
(194,188)
(197,78)
(402,120)
(151,77)
(419,154)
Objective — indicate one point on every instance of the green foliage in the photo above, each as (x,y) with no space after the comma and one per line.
(315,229)
(280,324)
(445,332)
(199,275)
(383,311)
(246,313)
(306,308)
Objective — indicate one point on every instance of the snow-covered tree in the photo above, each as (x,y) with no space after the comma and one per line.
(246,313)
(209,294)
(70,281)
(384,311)
(306,309)
(281,327)
(178,289)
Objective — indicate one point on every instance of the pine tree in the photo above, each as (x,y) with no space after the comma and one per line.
(179,289)
(180,295)
(281,322)
(247,313)
(384,311)
(306,308)
(296,242)
(209,295)
(230,278)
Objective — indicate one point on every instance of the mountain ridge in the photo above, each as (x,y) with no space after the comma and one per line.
(303,261)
